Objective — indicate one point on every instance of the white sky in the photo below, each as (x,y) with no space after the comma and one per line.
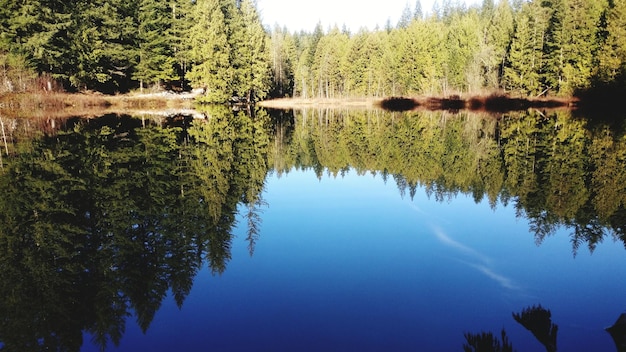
(305,14)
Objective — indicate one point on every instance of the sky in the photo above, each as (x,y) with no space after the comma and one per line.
(299,15)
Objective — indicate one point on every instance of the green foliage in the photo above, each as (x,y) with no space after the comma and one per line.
(228,51)
(104,220)
(611,57)
(210,51)
(156,59)
(525,58)
(535,47)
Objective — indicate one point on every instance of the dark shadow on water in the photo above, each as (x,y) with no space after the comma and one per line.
(487,341)
(399,104)
(535,319)
(618,333)
(495,103)
(538,321)
(603,103)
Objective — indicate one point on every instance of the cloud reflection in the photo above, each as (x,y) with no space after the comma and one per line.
(485,267)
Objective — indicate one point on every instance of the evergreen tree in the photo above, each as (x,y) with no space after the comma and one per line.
(282,52)
(497,35)
(554,46)
(210,51)
(611,62)
(39,30)
(156,60)
(418,14)
(405,18)
(250,55)
(462,41)
(524,63)
(181,24)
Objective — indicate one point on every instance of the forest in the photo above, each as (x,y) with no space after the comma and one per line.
(527,48)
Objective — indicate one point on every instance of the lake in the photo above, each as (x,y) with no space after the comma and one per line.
(313,230)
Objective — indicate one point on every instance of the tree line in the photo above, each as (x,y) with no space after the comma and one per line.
(117,45)
(537,47)
(533,48)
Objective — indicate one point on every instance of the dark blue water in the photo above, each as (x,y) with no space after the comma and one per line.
(348,264)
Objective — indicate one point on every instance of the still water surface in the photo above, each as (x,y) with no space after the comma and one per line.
(346,264)
(314,245)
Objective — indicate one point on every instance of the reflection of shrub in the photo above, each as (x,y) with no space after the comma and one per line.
(398,104)
(486,341)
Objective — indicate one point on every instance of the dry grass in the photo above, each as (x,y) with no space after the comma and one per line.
(298,103)
(84,104)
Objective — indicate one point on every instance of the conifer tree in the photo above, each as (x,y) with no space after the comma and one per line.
(250,55)
(39,31)
(611,62)
(181,23)
(156,59)
(405,18)
(418,14)
(210,51)
(104,44)
(524,63)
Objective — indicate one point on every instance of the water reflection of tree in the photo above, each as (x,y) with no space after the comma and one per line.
(535,319)
(105,219)
(559,170)
(618,332)
(487,342)
(538,320)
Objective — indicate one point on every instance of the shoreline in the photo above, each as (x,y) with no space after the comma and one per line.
(491,103)
(93,104)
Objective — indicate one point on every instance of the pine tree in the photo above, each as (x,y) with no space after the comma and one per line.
(497,35)
(156,61)
(181,24)
(525,58)
(250,54)
(39,30)
(405,18)
(418,14)
(103,44)
(554,46)
(210,51)
(611,62)
(282,53)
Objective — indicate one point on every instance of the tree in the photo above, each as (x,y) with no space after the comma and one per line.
(611,57)
(156,60)
(418,14)
(525,58)
(250,54)
(462,41)
(39,31)
(282,54)
(181,24)
(211,51)
(405,18)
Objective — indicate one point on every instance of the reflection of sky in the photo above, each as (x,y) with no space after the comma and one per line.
(346,264)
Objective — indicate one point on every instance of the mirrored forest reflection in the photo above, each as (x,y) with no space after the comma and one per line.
(101,219)
(559,170)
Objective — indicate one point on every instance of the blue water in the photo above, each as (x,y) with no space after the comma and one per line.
(347,264)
